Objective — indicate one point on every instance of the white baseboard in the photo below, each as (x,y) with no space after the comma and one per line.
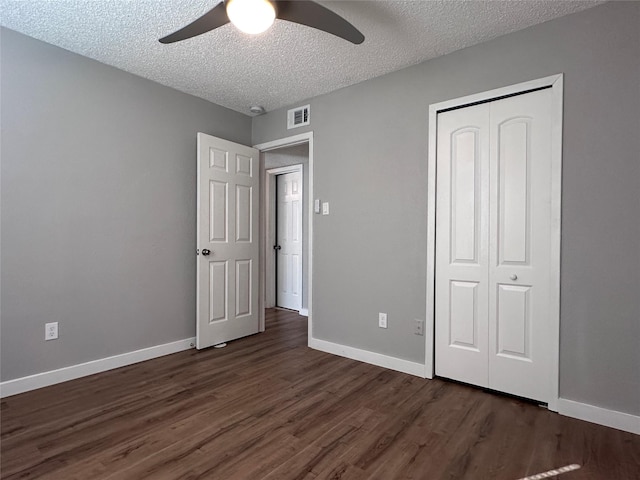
(601,416)
(44,379)
(304,312)
(569,408)
(392,363)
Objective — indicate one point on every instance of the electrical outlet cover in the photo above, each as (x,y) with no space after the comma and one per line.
(51,331)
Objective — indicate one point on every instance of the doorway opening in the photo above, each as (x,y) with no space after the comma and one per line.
(286,221)
(287,229)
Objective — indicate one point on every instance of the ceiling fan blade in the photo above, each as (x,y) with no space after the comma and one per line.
(214,18)
(312,14)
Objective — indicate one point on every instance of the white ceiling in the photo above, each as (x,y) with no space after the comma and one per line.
(284,65)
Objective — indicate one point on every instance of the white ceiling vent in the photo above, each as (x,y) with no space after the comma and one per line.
(297,117)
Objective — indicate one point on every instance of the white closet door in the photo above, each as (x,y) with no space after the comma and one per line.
(493,245)
(462,241)
(520,253)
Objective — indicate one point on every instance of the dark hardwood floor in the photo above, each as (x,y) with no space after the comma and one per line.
(268,407)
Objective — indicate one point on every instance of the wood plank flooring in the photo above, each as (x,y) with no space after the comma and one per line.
(268,407)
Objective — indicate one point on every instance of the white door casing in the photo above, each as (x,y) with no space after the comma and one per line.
(289,240)
(227,226)
(495,182)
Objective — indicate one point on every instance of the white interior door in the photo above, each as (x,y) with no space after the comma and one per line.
(227,222)
(493,245)
(520,278)
(289,240)
(462,244)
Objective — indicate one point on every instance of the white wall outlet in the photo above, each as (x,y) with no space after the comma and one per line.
(419,327)
(325,208)
(316,205)
(382,320)
(51,331)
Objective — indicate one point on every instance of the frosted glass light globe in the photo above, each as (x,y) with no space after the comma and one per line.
(251,16)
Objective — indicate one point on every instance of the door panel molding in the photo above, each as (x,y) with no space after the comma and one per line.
(555,84)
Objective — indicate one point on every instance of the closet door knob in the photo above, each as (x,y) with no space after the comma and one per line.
(514,277)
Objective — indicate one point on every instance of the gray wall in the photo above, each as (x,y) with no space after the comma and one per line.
(284,157)
(98,207)
(370,162)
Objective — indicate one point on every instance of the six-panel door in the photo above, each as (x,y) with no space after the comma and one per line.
(289,239)
(227,264)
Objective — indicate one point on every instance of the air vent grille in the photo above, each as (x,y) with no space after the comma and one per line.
(298,117)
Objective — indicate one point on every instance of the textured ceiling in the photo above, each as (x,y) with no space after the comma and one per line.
(284,65)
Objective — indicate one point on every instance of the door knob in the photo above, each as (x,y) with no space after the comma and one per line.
(277,247)
(514,277)
(205,252)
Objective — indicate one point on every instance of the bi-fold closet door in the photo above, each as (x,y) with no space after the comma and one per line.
(493,245)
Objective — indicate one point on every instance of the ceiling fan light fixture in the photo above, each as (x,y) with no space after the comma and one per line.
(251,16)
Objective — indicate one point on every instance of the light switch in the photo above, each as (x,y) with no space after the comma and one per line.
(325,208)
(316,205)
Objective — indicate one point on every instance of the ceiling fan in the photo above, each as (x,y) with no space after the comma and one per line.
(256,16)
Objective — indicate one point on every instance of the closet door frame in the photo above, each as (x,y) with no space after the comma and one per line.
(555,83)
